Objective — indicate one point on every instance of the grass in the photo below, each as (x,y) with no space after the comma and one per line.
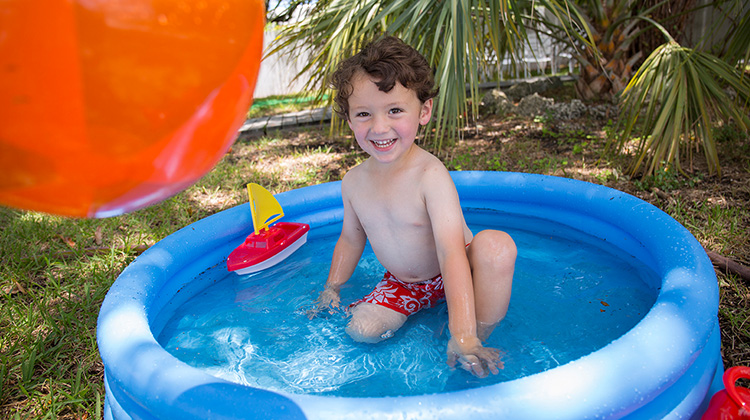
(279,104)
(54,272)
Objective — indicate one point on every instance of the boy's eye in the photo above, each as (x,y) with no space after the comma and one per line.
(362,114)
(396,110)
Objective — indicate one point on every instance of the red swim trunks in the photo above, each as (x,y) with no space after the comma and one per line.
(406,298)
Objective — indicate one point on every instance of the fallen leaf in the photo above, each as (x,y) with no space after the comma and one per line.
(20,288)
(69,242)
(98,235)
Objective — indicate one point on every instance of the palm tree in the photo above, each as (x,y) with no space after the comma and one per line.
(677,94)
(609,39)
(459,38)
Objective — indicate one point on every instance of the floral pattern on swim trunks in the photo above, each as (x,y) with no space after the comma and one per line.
(406,298)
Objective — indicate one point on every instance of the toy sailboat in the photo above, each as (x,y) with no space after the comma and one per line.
(267,245)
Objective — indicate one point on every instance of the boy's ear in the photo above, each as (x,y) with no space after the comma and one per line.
(426,113)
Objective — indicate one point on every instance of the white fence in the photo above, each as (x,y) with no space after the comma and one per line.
(277,73)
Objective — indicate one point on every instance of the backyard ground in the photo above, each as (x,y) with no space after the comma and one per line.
(54,272)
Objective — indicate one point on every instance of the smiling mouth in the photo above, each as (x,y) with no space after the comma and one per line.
(383,144)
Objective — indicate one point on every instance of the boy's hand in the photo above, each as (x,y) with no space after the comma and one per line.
(328,299)
(474,357)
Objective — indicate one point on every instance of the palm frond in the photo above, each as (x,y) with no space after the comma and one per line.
(671,104)
(739,43)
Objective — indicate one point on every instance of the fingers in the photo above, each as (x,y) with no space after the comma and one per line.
(494,367)
(473,365)
(452,358)
(331,307)
(468,363)
(477,368)
(481,363)
(327,300)
(490,359)
(334,307)
(313,312)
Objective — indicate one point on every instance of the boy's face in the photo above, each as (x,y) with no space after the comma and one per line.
(385,124)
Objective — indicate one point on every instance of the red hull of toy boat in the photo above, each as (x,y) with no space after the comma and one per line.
(265,246)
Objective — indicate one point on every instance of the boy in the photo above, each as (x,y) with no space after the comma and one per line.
(404,201)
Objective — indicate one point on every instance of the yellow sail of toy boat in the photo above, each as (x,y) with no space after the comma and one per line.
(263,206)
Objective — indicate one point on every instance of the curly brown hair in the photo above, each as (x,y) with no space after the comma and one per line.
(387,60)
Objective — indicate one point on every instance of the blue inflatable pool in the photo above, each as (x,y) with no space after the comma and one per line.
(667,366)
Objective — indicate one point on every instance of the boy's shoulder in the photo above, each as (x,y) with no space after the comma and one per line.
(434,175)
(353,172)
(433,160)
(351,177)
(431,164)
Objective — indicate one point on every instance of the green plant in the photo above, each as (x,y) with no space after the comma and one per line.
(729,133)
(672,103)
(544,119)
(607,175)
(666,179)
(459,162)
(497,163)
(578,148)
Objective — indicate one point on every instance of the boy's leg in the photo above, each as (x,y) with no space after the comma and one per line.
(372,323)
(492,255)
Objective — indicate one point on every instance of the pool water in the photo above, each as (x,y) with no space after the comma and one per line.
(572,295)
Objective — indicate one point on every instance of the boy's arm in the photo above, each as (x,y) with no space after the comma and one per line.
(446,218)
(346,255)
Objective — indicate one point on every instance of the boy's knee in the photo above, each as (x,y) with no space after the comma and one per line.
(496,246)
(365,331)
(372,324)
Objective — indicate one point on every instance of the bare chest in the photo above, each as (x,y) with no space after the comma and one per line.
(398,207)
(399,230)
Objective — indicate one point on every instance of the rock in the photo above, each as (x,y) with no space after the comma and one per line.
(534,105)
(540,85)
(602,112)
(518,91)
(569,110)
(495,102)
(531,104)
(545,83)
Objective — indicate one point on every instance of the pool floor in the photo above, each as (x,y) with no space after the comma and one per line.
(572,295)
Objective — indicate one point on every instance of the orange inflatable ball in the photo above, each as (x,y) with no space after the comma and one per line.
(112,105)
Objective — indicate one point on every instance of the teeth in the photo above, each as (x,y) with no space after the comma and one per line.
(383,143)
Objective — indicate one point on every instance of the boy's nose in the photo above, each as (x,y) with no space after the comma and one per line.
(380,124)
